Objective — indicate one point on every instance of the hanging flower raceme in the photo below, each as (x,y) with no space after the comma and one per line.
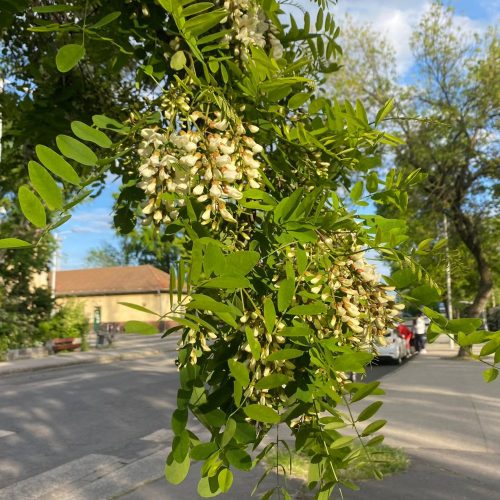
(250,27)
(210,158)
(347,305)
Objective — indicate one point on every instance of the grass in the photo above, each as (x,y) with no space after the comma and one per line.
(384,459)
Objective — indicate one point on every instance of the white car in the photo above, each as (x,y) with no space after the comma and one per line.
(394,348)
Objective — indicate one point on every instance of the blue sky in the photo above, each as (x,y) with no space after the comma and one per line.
(91,224)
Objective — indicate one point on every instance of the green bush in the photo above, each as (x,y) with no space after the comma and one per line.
(69,321)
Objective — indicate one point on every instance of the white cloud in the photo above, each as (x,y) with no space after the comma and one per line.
(395,19)
(94,221)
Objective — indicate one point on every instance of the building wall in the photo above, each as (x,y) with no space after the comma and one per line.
(113,312)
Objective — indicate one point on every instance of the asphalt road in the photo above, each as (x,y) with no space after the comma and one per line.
(49,418)
(56,416)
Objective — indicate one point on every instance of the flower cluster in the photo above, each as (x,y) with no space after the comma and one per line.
(210,158)
(251,27)
(359,308)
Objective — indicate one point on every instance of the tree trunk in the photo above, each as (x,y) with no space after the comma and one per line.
(466,229)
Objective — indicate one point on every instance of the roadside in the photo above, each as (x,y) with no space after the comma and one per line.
(124,347)
(447,418)
(439,410)
(112,433)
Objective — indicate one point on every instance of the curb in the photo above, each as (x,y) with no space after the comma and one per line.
(99,360)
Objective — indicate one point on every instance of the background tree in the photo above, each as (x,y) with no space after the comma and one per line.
(456,145)
(35,105)
(459,85)
(142,246)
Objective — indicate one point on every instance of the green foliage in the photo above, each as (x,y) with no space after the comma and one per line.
(68,56)
(68,321)
(235,156)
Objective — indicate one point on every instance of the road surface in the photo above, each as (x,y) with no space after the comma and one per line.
(100,427)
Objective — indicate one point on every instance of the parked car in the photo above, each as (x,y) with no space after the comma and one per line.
(393,347)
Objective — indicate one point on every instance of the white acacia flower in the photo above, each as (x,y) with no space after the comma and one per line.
(215,191)
(188,160)
(197,190)
(149,207)
(230,175)
(227,149)
(233,192)
(226,215)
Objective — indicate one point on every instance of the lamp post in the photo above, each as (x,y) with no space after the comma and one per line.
(449,307)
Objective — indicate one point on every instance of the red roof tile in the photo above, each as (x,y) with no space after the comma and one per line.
(112,280)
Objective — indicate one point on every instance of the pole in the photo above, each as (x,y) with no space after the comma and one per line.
(1,123)
(53,271)
(449,306)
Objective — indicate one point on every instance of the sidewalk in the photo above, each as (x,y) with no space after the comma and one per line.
(447,418)
(125,347)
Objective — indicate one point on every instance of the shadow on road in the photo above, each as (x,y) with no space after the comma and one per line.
(380,368)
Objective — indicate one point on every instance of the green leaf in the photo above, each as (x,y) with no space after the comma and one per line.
(180,446)
(68,56)
(384,111)
(242,262)
(369,411)
(200,24)
(436,317)
(285,294)
(402,278)
(176,472)
(283,354)
(253,343)
(272,381)
(239,371)
(45,9)
(465,325)
(196,8)
(57,164)
(208,487)
(352,361)
(137,307)
(239,458)
(203,302)
(262,413)
(225,478)
(45,185)
(341,442)
(373,427)
(489,348)
(269,315)
(76,150)
(228,432)
(140,327)
(302,260)
(105,122)
(107,19)
(295,331)
(90,134)
(227,282)
(357,191)
(364,390)
(178,61)
(179,420)
(490,374)
(298,100)
(203,451)
(31,206)
(312,309)
(425,294)
(13,243)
